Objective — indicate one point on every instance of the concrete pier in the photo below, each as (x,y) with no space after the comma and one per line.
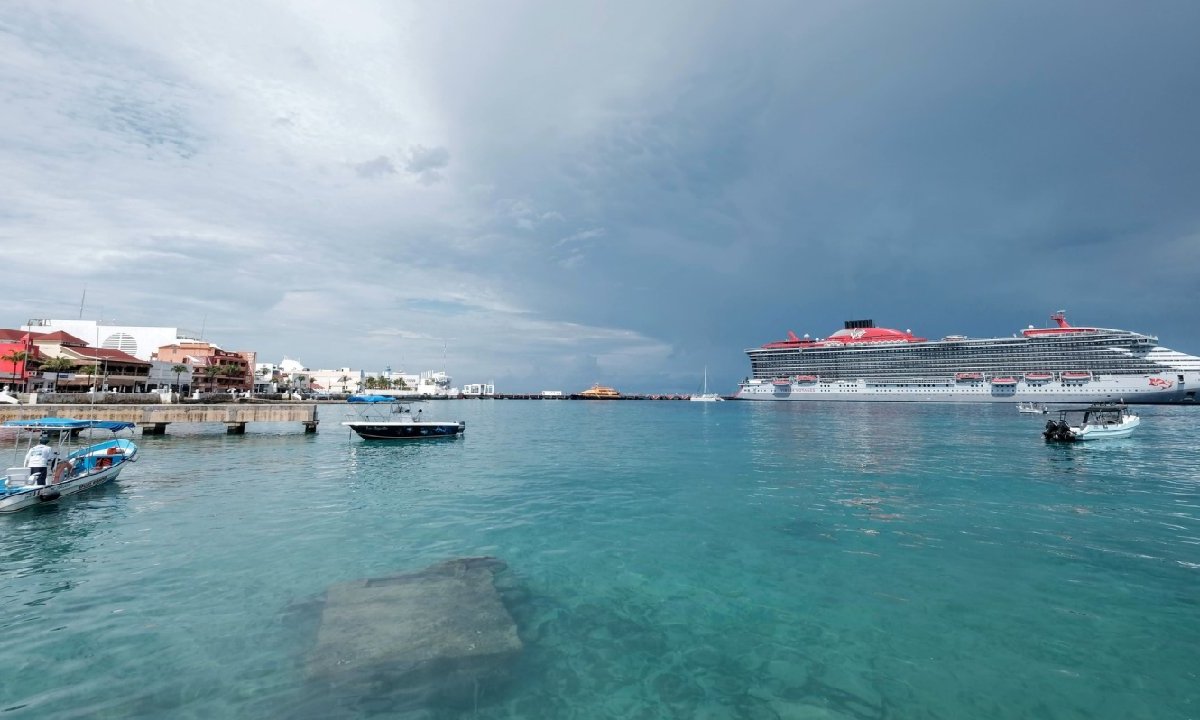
(153,419)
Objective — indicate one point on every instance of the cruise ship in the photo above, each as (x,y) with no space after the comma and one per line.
(1059,364)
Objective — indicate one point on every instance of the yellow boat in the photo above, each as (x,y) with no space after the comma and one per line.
(599,392)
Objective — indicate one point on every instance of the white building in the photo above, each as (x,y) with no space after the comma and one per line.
(480,390)
(272,378)
(431,383)
(139,341)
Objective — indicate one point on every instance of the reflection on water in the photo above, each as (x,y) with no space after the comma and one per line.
(664,560)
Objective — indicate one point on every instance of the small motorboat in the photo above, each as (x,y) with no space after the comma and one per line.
(386,418)
(72,470)
(1032,408)
(1101,421)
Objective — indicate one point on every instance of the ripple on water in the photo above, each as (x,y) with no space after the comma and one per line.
(748,560)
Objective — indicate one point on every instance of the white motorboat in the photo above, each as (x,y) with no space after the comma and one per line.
(1032,408)
(74,469)
(1099,422)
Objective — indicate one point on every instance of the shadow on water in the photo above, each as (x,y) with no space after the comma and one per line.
(430,667)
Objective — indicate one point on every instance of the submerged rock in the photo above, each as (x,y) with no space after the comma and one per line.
(437,636)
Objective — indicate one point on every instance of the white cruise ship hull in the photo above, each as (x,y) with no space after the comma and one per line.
(1154,389)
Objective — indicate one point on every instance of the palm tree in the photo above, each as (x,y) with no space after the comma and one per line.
(211,372)
(233,371)
(343,380)
(15,357)
(178,370)
(57,365)
(90,371)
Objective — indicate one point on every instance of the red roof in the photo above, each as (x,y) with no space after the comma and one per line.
(11,336)
(59,337)
(92,353)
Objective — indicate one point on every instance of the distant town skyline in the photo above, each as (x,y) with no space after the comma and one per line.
(548,195)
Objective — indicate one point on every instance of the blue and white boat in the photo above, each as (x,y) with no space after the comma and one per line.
(386,418)
(75,469)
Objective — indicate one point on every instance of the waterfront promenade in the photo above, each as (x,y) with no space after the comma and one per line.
(153,419)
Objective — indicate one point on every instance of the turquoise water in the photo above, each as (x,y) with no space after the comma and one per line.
(665,560)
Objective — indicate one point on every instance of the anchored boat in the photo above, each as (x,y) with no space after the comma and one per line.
(386,418)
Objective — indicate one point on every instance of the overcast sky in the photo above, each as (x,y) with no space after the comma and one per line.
(553,194)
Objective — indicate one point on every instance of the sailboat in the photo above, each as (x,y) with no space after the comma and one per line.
(706,396)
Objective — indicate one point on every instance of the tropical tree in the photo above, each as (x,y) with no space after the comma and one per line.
(233,371)
(211,372)
(343,380)
(57,365)
(90,371)
(178,370)
(15,357)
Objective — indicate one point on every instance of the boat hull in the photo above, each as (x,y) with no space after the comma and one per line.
(406,430)
(41,494)
(1138,389)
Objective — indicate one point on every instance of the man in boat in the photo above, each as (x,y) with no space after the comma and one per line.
(39,460)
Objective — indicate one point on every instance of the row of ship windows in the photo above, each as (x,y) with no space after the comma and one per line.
(1015,345)
(924,357)
(840,391)
(951,368)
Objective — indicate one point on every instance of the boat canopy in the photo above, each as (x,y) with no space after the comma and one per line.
(60,424)
(49,423)
(371,399)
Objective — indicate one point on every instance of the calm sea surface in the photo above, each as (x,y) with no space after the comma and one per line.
(667,560)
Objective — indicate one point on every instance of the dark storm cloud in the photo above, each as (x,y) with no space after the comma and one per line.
(638,190)
(943,166)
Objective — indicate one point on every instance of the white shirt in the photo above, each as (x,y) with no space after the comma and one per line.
(39,456)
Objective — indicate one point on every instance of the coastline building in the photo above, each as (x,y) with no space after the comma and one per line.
(213,368)
(338,380)
(431,383)
(139,341)
(84,366)
(293,375)
(18,357)
(479,390)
